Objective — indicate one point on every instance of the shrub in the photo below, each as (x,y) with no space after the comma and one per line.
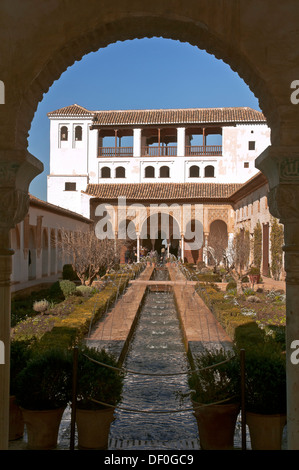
(45,383)
(95,381)
(65,288)
(41,306)
(231,285)
(68,273)
(86,291)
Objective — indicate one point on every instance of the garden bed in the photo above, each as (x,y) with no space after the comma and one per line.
(262,311)
(68,320)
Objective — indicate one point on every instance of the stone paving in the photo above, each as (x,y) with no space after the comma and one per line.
(199,326)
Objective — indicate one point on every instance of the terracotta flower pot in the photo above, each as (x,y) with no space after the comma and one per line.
(16,421)
(265,430)
(216,425)
(93,428)
(42,428)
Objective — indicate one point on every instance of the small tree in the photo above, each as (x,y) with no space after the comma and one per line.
(277,240)
(257,245)
(88,255)
(218,246)
(239,254)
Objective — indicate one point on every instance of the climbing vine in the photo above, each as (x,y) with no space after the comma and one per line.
(257,245)
(277,240)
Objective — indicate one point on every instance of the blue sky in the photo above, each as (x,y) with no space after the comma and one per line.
(139,74)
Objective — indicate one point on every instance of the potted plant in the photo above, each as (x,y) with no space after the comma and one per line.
(43,391)
(215,392)
(19,356)
(99,390)
(265,378)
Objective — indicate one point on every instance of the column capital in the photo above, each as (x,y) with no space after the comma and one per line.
(17,169)
(280,165)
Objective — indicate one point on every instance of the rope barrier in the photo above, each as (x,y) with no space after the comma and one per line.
(128,371)
(182,410)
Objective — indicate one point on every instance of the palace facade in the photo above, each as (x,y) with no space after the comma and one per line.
(195,165)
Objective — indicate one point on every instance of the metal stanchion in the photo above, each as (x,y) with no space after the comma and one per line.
(74,398)
(243,411)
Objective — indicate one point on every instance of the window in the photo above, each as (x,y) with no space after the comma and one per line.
(70,186)
(194,171)
(164,172)
(209,171)
(149,172)
(78,133)
(246,164)
(120,172)
(64,133)
(105,172)
(251,145)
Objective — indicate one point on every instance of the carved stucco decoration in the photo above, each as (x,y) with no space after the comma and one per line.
(14,203)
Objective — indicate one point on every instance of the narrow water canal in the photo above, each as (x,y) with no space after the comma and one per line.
(156,348)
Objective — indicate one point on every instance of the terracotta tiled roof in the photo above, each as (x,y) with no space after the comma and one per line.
(72,111)
(162,191)
(163,116)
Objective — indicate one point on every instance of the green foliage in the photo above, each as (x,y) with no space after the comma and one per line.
(213,384)
(257,245)
(265,379)
(68,273)
(86,291)
(277,240)
(45,383)
(95,381)
(20,353)
(231,285)
(63,288)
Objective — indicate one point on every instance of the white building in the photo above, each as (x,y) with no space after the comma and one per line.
(210,145)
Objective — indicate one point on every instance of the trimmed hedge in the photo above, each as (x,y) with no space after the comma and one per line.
(68,330)
(228,315)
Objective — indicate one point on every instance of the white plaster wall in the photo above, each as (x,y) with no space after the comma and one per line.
(235,151)
(58,196)
(69,157)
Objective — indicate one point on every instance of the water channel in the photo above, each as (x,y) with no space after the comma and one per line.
(156,348)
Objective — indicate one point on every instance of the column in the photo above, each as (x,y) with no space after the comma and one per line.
(17,169)
(206,244)
(182,247)
(138,247)
(281,167)
(137,142)
(181,135)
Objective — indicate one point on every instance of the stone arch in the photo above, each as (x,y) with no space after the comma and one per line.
(98,31)
(158,226)
(217,241)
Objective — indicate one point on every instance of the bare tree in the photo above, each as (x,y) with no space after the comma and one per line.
(218,245)
(239,254)
(87,254)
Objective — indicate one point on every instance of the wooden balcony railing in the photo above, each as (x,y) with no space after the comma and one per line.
(203,150)
(162,151)
(115,152)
